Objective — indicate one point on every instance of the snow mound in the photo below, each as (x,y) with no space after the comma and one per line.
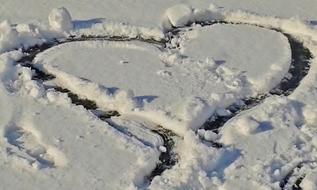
(179,15)
(60,19)
(21,36)
(182,15)
(8,36)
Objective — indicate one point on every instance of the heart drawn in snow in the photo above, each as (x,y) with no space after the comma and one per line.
(200,71)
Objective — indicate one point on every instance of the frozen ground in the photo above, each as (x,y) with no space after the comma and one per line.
(158,95)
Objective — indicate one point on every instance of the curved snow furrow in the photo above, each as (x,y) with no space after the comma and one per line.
(299,68)
(168,157)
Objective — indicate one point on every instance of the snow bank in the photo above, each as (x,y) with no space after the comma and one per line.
(21,36)
(118,29)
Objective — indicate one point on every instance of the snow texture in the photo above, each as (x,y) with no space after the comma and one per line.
(47,142)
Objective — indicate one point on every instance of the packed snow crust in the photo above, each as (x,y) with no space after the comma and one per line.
(49,143)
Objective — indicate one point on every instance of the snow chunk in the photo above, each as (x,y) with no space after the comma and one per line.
(162,148)
(247,125)
(60,19)
(179,15)
(207,135)
(8,36)
(196,111)
(213,7)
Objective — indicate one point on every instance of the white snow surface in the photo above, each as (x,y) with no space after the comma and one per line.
(46,142)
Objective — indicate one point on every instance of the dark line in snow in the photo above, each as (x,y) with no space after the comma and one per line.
(299,68)
(167,158)
(293,179)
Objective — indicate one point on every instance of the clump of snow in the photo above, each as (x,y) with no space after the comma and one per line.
(162,148)
(196,111)
(20,36)
(246,125)
(182,15)
(60,19)
(8,36)
(207,135)
(179,15)
(213,7)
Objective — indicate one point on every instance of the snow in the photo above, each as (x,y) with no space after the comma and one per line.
(47,142)
(148,93)
(45,137)
(309,182)
(244,49)
(179,15)
(305,10)
(274,148)
(7,35)
(60,19)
